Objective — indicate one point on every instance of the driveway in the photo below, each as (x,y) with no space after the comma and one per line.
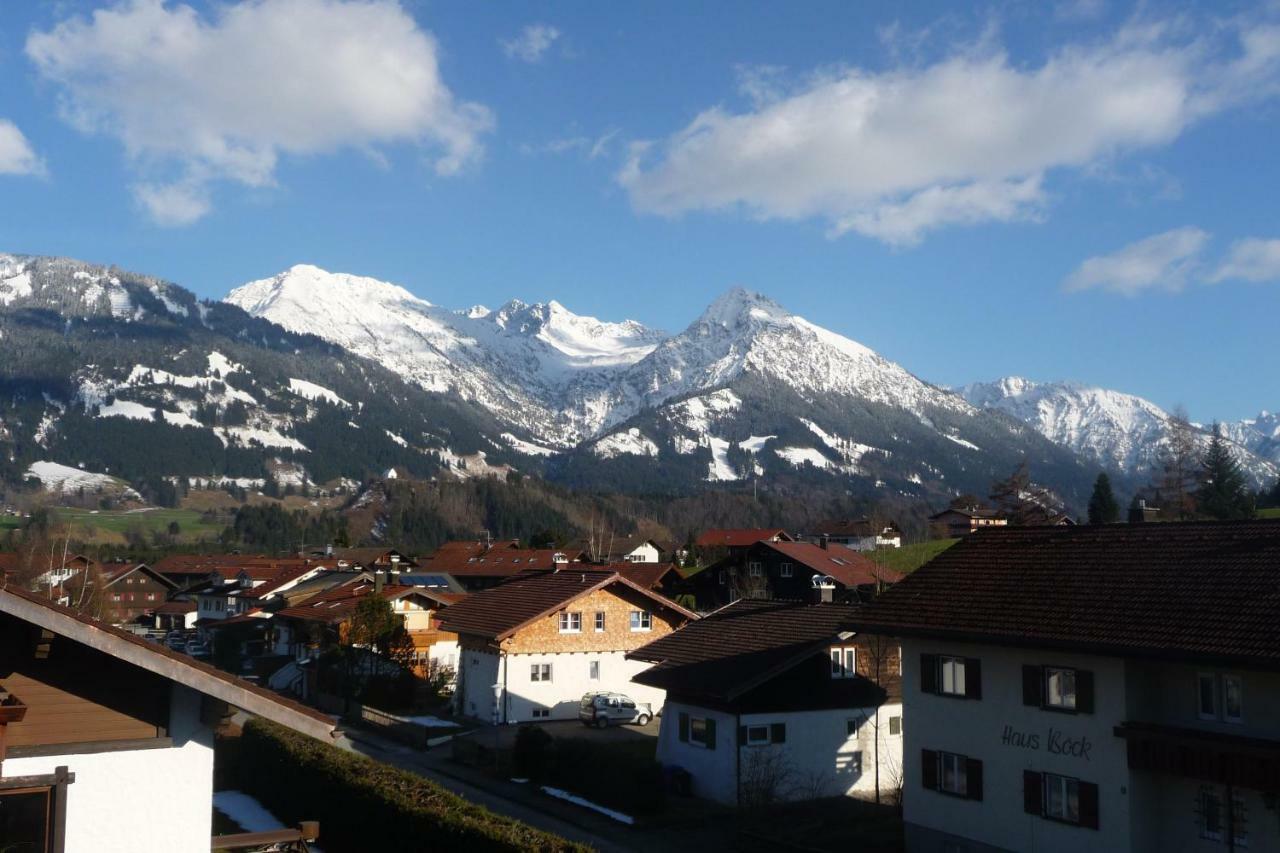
(505,736)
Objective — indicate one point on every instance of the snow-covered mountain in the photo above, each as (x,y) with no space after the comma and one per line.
(1119,431)
(1260,435)
(537,367)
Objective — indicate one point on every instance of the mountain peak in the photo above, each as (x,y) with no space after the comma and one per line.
(737,306)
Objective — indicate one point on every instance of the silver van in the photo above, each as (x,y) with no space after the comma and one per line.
(602,709)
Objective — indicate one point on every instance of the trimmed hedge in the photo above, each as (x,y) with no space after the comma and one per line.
(364,805)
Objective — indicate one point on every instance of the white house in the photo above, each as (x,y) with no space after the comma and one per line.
(778,700)
(1092,688)
(647,551)
(530,648)
(106,740)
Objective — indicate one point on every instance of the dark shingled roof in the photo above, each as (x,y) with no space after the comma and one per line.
(499,612)
(847,566)
(738,647)
(738,537)
(1200,590)
(648,575)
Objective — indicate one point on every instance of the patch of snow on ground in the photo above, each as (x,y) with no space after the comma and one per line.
(311,391)
(797,456)
(685,445)
(15,287)
(631,442)
(396,438)
(169,304)
(755,443)
(719,468)
(961,441)
(65,479)
(698,413)
(527,447)
(46,426)
(121,304)
(180,419)
(250,814)
(222,364)
(126,409)
(585,803)
(265,437)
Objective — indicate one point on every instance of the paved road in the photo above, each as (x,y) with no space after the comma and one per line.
(427,765)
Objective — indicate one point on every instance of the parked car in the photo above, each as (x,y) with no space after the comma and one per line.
(197,649)
(602,709)
(177,644)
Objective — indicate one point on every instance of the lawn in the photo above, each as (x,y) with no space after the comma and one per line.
(10,522)
(908,558)
(1269,512)
(109,526)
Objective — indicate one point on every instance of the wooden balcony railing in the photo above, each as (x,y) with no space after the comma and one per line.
(276,840)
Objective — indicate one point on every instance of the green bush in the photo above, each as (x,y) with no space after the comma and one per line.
(531,754)
(621,776)
(365,805)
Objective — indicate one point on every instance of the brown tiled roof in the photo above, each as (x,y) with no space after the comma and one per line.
(969,512)
(176,607)
(366,557)
(737,538)
(8,561)
(337,604)
(115,571)
(227,564)
(846,566)
(647,575)
(1207,590)
(740,646)
(852,527)
(496,562)
(499,612)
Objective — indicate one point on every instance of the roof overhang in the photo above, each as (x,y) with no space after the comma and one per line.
(198,677)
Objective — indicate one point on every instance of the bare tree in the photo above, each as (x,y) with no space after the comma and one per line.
(766,777)
(1179,467)
(881,655)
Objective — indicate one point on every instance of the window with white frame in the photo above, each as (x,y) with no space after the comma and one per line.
(951,675)
(1232,699)
(570,623)
(641,620)
(593,670)
(1062,798)
(844,661)
(757,735)
(756,570)
(785,570)
(952,773)
(1060,688)
(702,732)
(599,621)
(540,672)
(1220,697)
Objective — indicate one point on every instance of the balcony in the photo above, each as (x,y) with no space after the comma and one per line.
(1207,756)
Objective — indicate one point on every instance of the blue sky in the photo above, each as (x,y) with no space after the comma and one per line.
(1083,190)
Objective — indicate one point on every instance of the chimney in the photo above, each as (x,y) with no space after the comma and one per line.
(393,577)
(822,590)
(379,581)
(328,550)
(825,542)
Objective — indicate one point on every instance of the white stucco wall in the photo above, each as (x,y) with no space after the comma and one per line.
(976,728)
(570,679)
(477,673)
(645,553)
(142,801)
(714,771)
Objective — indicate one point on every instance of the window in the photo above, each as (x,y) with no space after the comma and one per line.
(151,596)
(599,621)
(951,773)
(1208,695)
(756,570)
(844,662)
(1061,798)
(785,570)
(957,775)
(1060,688)
(593,670)
(757,735)
(115,596)
(1232,710)
(1210,814)
(570,623)
(26,818)
(851,726)
(641,620)
(541,713)
(951,675)
(895,725)
(762,734)
(722,577)
(540,672)
(702,731)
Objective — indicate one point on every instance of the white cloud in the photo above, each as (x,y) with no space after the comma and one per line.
(196,99)
(1166,261)
(16,154)
(532,42)
(970,138)
(591,147)
(1254,259)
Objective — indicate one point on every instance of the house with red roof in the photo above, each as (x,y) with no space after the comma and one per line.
(738,538)
(796,571)
(531,647)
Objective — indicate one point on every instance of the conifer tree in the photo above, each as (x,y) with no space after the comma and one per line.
(1224,493)
(1103,508)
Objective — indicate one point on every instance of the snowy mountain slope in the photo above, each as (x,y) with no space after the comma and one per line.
(1119,431)
(1260,435)
(531,365)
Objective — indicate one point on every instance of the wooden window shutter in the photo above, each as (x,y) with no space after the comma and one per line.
(1032,685)
(684,727)
(972,678)
(1089,804)
(778,733)
(711,734)
(742,735)
(929,768)
(928,673)
(973,778)
(1084,691)
(1032,792)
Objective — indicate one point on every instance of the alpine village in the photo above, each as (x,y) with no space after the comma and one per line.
(305,547)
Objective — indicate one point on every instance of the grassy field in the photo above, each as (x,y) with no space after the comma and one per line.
(1269,512)
(110,526)
(908,558)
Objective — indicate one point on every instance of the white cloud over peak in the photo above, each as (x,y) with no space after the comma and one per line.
(17,157)
(531,43)
(1253,259)
(1165,261)
(194,100)
(894,154)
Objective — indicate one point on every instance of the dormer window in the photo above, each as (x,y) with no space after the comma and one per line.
(844,662)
